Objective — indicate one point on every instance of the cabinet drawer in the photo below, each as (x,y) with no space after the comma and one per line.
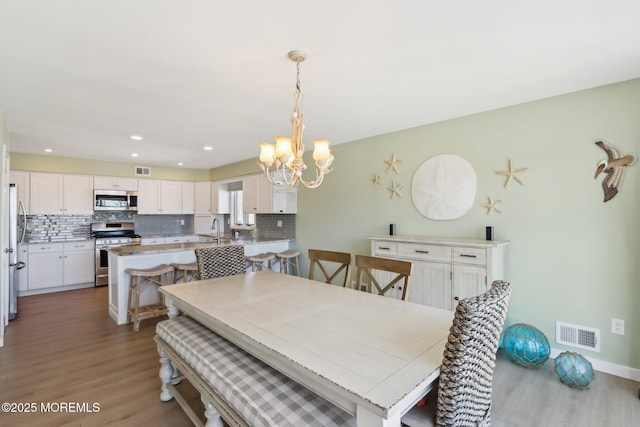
(382,248)
(476,256)
(36,248)
(425,252)
(152,241)
(79,246)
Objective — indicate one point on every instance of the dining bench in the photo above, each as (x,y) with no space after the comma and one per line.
(234,385)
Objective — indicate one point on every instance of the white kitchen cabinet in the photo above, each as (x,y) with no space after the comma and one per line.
(152,241)
(188,198)
(260,196)
(159,197)
(61,194)
(182,239)
(220,197)
(203,198)
(284,199)
(46,194)
(78,194)
(56,265)
(445,270)
(22,181)
(250,194)
(115,183)
(79,262)
(46,265)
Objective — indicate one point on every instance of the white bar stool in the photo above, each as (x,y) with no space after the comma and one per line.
(139,280)
(257,261)
(287,260)
(185,272)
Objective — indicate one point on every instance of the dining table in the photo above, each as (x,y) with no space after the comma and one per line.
(371,355)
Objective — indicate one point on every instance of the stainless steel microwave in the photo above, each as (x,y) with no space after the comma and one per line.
(115,200)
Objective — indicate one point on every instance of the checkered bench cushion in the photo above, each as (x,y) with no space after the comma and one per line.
(260,394)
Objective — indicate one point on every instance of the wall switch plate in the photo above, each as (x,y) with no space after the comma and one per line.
(182,222)
(617,326)
(279,223)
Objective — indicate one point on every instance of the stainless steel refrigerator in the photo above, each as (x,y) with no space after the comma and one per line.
(17,228)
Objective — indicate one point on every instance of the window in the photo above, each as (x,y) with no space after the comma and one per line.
(238,217)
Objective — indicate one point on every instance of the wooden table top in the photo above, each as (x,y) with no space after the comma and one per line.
(354,348)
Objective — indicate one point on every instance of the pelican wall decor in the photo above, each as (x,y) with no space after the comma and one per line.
(613,166)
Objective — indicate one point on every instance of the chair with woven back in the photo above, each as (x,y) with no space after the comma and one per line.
(325,261)
(399,272)
(220,261)
(466,373)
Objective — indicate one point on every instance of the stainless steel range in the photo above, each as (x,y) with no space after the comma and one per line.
(110,235)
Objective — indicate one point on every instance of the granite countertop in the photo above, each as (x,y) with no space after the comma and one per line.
(54,240)
(175,247)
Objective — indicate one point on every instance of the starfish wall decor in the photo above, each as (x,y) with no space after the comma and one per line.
(492,206)
(393,164)
(377,179)
(395,189)
(511,174)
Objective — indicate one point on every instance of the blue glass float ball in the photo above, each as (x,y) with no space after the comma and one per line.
(574,369)
(526,345)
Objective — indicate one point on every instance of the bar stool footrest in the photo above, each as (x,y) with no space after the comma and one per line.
(149,311)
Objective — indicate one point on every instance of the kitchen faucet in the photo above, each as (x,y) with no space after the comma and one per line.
(216,226)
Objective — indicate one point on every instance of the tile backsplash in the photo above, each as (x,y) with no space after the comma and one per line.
(45,228)
(49,228)
(153,225)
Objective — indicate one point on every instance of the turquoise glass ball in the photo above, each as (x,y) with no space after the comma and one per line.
(526,345)
(573,369)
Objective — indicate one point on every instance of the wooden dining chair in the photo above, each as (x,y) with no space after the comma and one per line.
(321,259)
(399,274)
(220,261)
(466,374)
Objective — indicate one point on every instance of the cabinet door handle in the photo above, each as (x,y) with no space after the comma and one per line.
(384,248)
(420,251)
(468,256)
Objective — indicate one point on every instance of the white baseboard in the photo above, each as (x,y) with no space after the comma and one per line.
(607,367)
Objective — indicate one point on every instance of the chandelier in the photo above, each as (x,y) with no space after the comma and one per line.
(282,162)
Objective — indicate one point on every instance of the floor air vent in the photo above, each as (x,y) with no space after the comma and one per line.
(142,171)
(578,336)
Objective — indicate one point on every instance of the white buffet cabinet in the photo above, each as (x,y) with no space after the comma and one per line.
(444,270)
(152,255)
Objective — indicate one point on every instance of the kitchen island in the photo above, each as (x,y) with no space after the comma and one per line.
(138,256)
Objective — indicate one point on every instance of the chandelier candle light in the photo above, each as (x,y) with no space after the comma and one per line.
(286,154)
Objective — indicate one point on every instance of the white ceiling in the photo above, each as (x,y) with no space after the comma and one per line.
(79,77)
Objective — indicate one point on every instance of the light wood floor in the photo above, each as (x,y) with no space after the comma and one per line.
(64,347)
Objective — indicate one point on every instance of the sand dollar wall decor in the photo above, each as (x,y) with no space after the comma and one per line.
(444,187)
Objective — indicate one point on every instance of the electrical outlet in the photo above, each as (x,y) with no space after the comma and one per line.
(617,326)
(279,223)
(182,222)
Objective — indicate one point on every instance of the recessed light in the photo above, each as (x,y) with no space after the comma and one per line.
(180,163)
(208,148)
(48,150)
(134,154)
(136,137)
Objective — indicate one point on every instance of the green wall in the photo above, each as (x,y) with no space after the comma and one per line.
(571,258)
(44,163)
